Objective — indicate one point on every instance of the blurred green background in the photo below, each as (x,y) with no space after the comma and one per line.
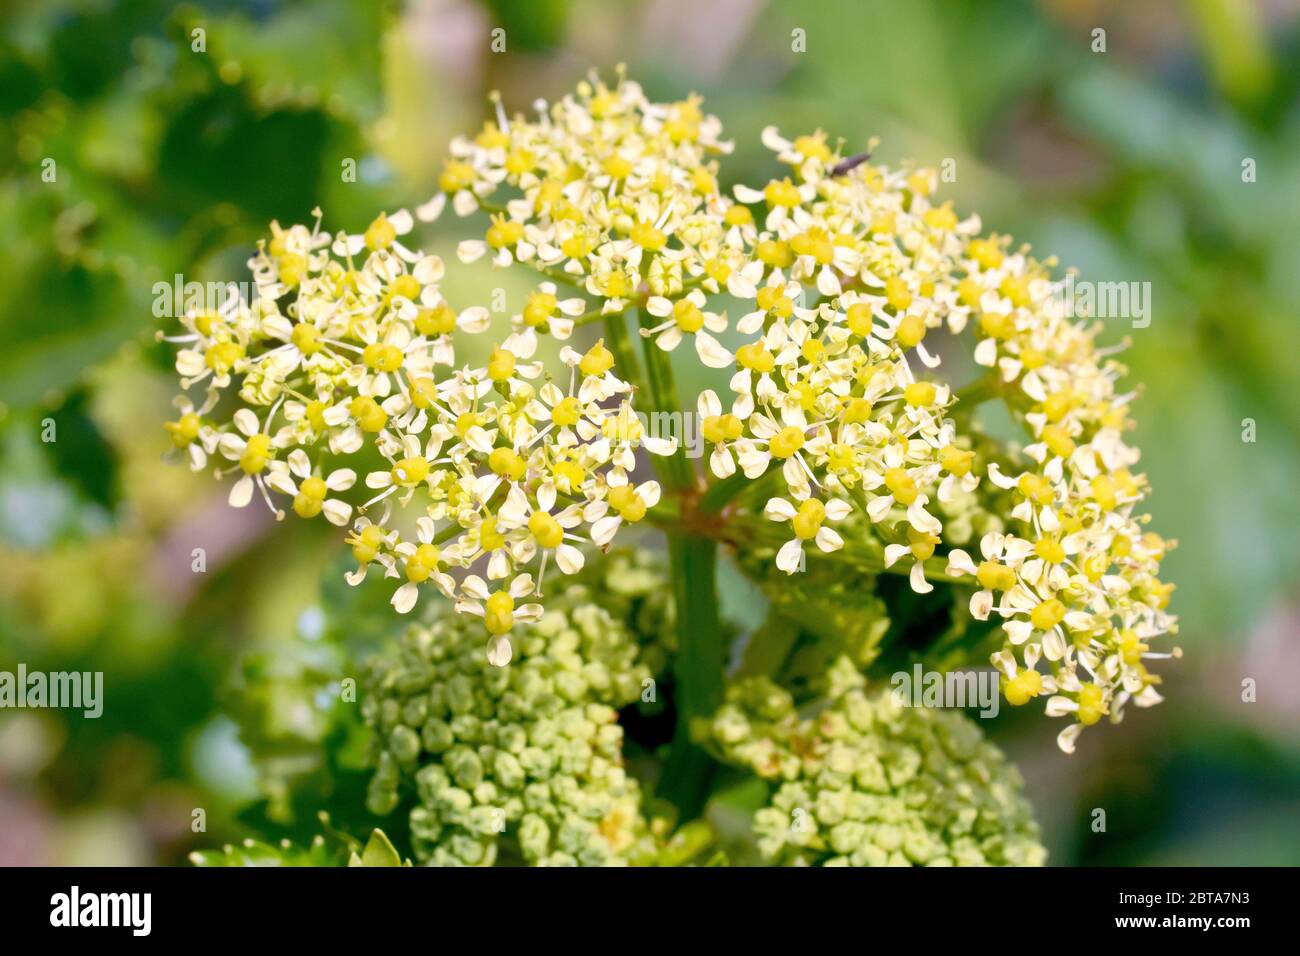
(168,159)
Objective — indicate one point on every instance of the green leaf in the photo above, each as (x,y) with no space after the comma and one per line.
(378,852)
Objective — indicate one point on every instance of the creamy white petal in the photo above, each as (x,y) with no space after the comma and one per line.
(404,598)
(711,351)
(241,493)
(790,558)
(337,512)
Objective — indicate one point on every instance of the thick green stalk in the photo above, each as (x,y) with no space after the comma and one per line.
(675,469)
(698,668)
(723,492)
(625,364)
(693,558)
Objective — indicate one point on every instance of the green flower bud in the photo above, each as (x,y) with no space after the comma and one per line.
(867,782)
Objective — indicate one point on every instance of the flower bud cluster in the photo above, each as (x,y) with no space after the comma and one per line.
(521,764)
(863,781)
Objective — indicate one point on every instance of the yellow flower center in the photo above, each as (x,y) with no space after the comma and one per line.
(617,167)
(1016,289)
(956,461)
(941,217)
(578,247)
(292,267)
(812,147)
(645,235)
(786,442)
(815,243)
(857,411)
(1023,688)
(859,319)
(424,392)
(380,234)
(504,232)
(507,463)
(782,193)
(625,500)
(901,485)
(808,519)
(313,488)
(315,415)
(410,471)
(1091,704)
(422,563)
(489,538)
(406,286)
(995,577)
(499,612)
(545,529)
(773,299)
(369,416)
(1047,615)
(688,316)
(366,543)
(1130,648)
(1036,488)
(717,429)
(920,394)
(986,252)
(382,358)
(539,308)
(222,356)
(306,338)
(501,365)
(738,216)
(970,292)
(841,458)
(257,453)
(753,356)
(519,161)
(1050,550)
(773,252)
(456,176)
(910,331)
(597,361)
(897,294)
(569,475)
(439,320)
(184,430)
(566,412)
(1058,440)
(998,325)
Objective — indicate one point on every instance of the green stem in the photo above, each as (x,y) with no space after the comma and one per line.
(693,557)
(722,493)
(698,669)
(674,469)
(625,363)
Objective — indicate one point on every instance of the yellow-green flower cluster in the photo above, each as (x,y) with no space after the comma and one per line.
(348,349)
(849,273)
(521,764)
(606,190)
(1075,578)
(860,780)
